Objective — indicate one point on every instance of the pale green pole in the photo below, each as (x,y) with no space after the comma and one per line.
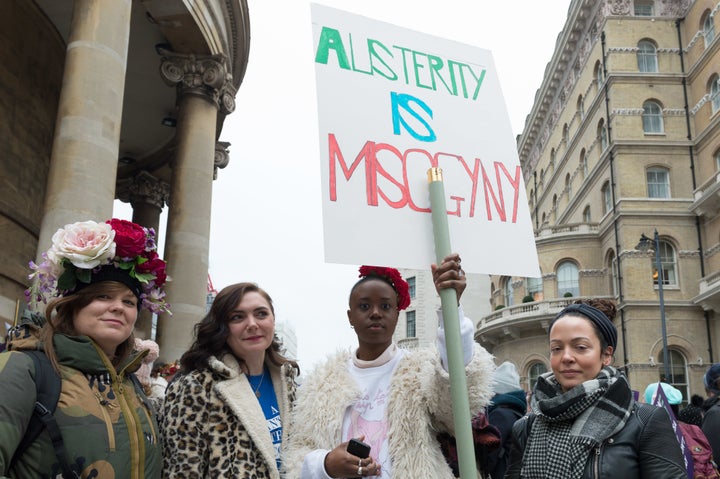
(449,302)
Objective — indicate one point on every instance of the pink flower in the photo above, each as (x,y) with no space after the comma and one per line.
(85,244)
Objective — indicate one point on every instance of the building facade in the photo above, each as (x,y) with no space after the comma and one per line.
(106,99)
(624,140)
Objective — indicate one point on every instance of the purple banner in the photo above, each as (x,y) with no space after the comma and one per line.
(660,400)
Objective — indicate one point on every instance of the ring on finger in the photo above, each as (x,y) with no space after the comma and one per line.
(359,470)
(359,462)
(461,273)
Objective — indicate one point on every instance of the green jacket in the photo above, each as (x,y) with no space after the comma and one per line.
(107,429)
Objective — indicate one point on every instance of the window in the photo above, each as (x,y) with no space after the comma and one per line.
(717,160)
(586,215)
(508,292)
(668,263)
(583,163)
(607,198)
(534,288)
(581,107)
(715,93)
(566,133)
(411,287)
(678,371)
(568,185)
(598,73)
(658,183)
(534,373)
(647,57)
(612,263)
(652,117)
(410,324)
(602,135)
(708,29)
(644,8)
(568,279)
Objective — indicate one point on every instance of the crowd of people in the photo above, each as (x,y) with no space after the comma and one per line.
(82,397)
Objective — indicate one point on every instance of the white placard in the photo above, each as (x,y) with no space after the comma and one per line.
(393,103)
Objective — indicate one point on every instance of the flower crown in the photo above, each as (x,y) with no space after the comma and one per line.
(82,250)
(394,277)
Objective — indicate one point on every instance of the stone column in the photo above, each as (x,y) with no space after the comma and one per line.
(83,164)
(204,86)
(147,195)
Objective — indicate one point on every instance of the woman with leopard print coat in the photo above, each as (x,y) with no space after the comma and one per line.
(226,413)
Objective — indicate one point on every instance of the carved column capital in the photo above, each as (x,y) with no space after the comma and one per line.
(144,188)
(204,76)
(222,156)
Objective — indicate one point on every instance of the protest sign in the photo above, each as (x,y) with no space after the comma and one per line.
(393,103)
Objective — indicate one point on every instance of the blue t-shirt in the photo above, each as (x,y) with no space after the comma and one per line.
(263,387)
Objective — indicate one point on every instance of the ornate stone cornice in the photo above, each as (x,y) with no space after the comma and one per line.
(591,273)
(222,156)
(683,253)
(144,188)
(204,76)
(699,104)
(712,250)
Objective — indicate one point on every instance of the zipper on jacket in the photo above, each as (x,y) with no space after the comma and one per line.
(104,404)
(596,463)
(135,434)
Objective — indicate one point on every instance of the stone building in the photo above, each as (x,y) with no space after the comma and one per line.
(624,140)
(106,99)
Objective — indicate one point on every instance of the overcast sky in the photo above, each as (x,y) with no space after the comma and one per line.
(267,214)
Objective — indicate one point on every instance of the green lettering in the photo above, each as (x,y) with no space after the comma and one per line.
(390,75)
(436,65)
(479,82)
(416,68)
(330,40)
(352,57)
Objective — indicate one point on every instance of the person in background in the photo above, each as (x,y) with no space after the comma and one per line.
(711,418)
(693,412)
(95,277)
(508,405)
(154,390)
(673,395)
(226,414)
(395,400)
(584,421)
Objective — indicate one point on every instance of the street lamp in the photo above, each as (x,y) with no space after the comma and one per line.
(644,245)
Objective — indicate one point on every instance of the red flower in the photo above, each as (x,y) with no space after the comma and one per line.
(130,238)
(392,275)
(154,265)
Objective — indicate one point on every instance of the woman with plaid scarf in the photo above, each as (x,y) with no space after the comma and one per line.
(584,422)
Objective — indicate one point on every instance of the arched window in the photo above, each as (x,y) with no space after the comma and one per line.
(568,279)
(566,133)
(534,372)
(598,73)
(647,57)
(530,200)
(715,93)
(542,176)
(668,263)
(602,135)
(534,288)
(658,182)
(581,107)
(586,215)
(543,219)
(708,28)
(717,160)
(583,163)
(568,185)
(652,117)
(606,197)
(508,292)
(677,367)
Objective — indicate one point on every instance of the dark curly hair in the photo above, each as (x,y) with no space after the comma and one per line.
(212,331)
(607,307)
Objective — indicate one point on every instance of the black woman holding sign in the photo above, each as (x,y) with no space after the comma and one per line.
(394,400)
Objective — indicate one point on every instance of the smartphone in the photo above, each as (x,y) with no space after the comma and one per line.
(358,448)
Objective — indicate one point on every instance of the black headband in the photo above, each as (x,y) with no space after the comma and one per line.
(606,327)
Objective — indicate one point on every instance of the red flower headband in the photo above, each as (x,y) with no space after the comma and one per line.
(394,277)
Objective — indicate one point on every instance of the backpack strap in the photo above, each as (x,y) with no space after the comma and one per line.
(47,385)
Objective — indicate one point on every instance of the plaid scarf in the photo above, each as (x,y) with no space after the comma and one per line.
(570,425)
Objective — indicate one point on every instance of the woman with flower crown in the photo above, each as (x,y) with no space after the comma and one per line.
(225,414)
(95,278)
(397,401)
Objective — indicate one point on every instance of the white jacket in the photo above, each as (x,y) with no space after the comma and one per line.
(419,407)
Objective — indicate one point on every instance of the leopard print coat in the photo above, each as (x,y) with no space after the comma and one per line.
(213,425)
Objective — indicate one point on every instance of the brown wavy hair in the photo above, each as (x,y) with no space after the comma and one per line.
(61,314)
(212,331)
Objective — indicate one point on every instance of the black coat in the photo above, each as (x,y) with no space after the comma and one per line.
(645,448)
(711,424)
